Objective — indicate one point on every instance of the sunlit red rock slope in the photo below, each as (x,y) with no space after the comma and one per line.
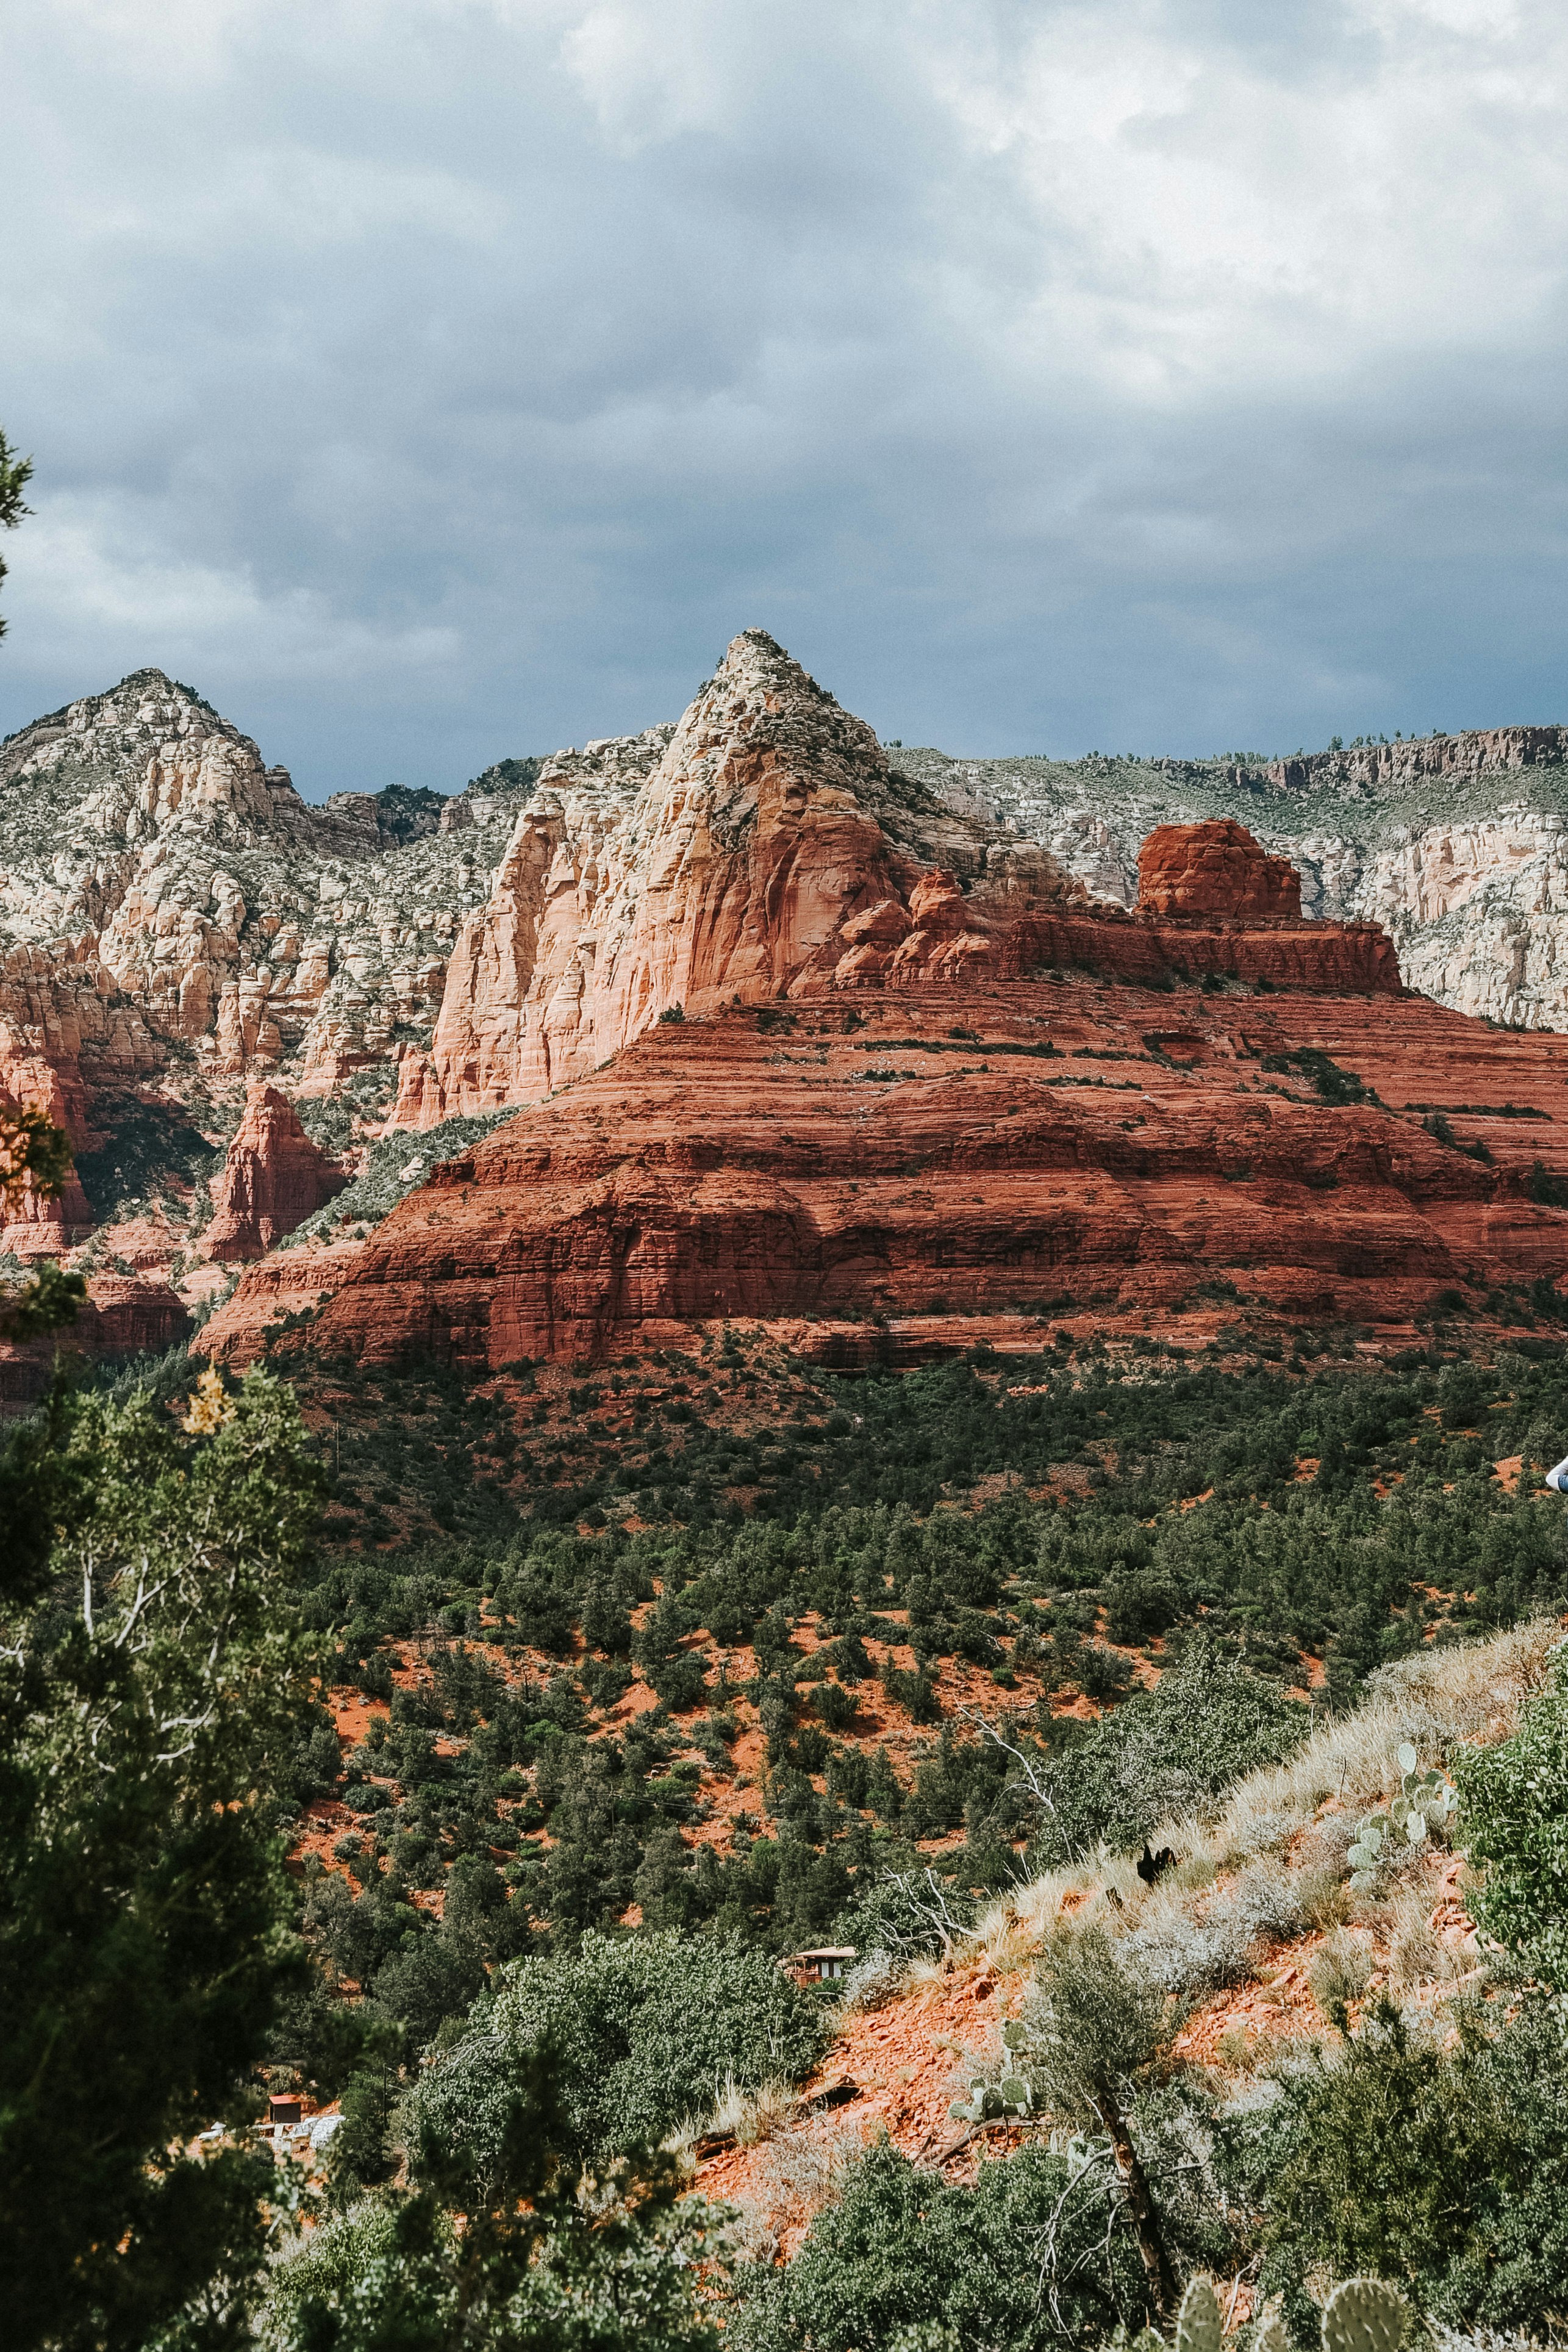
(967,1148)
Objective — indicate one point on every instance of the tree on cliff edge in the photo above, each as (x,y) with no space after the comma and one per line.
(15,474)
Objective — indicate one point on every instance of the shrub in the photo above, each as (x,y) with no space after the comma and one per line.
(1448,2167)
(1516,1802)
(532,2263)
(904,2250)
(645,2034)
(909,1913)
(1091,2031)
(1168,1751)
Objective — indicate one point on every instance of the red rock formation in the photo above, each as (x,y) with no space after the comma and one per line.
(1215,869)
(125,1317)
(289,1282)
(967,1149)
(41,1226)
(768,848)
(122,1316)
(274,1178)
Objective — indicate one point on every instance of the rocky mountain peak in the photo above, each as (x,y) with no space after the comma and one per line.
(761,708)
(149,759)
(716,862)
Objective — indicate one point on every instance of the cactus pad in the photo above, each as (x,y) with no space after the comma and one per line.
(1200,2327)
(1365,2314)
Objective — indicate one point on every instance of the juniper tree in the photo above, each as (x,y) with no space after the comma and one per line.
(150,1698)
(1091,2029)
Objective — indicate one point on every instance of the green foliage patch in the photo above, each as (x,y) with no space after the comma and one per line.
(150,1144)
(644,2034)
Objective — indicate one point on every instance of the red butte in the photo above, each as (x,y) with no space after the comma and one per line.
(959,1150)
(1215,870)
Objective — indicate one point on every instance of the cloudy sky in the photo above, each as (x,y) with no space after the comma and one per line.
(431,380)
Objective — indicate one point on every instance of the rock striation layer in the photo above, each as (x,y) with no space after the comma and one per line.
(965,1151)
(274,1177)
(179,930)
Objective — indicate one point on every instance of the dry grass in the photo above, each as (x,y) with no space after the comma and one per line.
(1469,1691)
(747,2116)
(1341,1972)
(801,2173)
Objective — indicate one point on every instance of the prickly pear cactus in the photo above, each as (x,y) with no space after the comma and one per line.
(1200,2324)
(994,2102)
(1365,2314)
(1425,1801)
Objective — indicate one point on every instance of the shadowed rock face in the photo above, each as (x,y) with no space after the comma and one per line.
(274,1178)
(954,1149)
(1215,869)
(123,1315)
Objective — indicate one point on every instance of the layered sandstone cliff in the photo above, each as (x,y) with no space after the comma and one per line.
(769,848)
(719,863)
(960,1152)
(274,1177)
(39,1223)
(124,1315)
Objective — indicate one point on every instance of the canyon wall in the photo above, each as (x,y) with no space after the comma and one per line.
(164,895)
(123,1315)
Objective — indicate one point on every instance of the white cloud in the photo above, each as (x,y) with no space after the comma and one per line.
(92,573)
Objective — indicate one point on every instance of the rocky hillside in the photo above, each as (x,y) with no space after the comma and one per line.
(1457,845)
(1257,1928)
(233,999)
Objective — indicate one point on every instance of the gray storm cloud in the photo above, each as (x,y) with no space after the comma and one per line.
(429,382)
